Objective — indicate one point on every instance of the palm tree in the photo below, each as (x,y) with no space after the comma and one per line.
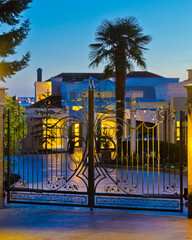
(120,45)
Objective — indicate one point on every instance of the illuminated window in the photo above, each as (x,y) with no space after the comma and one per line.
(77,108)
(77,132)
(110,108)
(108,128)
(52,133)
(178,130)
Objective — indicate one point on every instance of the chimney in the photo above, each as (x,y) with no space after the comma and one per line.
(39,75)
(189,74)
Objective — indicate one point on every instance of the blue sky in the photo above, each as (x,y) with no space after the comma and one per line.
(62,30)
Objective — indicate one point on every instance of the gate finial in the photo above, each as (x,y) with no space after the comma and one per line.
(93,84)
(89,84)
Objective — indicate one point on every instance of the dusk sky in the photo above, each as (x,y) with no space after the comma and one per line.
(62,30)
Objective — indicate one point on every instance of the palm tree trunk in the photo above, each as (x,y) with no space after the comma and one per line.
(120,104)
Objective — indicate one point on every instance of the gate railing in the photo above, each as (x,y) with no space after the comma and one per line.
(70,157)
(147,176)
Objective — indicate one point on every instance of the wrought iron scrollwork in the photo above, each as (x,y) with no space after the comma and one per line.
(121,186)
(19,184)
(171,188)
(60,182)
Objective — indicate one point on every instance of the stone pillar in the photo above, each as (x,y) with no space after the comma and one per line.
(2,103)
(127,132)
(189,103)
(133,125)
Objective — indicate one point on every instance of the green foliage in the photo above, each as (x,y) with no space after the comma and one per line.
(98,131)
(71,137)
(171,152)
(49,134)
(71,132)
(18,126)
(10,15)
(44,132)
(105,139)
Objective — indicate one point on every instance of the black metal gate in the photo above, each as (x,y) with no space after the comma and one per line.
(46,157)
(69,156)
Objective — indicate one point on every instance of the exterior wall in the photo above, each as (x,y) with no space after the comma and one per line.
(31,141)
(160,85)
(75,87)
(36,129)
(176,90)
(150,81)
(166,90)
(42,90)
(56,85)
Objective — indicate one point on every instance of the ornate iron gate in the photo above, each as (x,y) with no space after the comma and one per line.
(70,157)
(148,172)
(46,158)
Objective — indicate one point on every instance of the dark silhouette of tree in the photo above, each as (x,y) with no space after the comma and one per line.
(120,45)
(10,17)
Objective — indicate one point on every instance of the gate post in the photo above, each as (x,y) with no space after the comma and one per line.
(84,128)
(91,112)
(2,103)
(189,164)
(181,152)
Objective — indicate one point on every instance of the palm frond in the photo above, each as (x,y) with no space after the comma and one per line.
(121,42)
(108,71)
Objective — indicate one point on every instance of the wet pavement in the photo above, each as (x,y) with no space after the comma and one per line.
(52,222)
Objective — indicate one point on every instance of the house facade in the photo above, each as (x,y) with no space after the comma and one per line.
(149,91)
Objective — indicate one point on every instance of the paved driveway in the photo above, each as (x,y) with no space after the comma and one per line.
(50,222)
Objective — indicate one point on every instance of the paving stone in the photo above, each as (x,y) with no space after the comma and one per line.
(58,223)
